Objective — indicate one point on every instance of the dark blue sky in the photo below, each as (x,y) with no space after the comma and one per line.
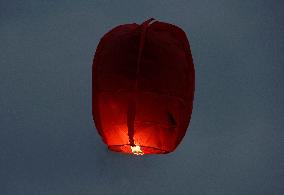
(48,142)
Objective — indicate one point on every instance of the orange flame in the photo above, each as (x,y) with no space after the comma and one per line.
(136,150)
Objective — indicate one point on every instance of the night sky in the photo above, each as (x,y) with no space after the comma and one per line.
(48,141)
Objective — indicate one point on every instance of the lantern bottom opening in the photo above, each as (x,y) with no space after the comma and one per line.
(145,149)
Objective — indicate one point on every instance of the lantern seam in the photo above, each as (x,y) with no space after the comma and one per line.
(132,103)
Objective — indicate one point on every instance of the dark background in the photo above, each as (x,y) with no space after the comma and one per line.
(48,142)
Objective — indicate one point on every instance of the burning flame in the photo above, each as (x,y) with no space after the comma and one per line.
(136,150)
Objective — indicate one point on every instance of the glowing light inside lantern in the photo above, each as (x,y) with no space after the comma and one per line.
(136,150)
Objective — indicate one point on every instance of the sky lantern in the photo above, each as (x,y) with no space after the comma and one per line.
(143,87)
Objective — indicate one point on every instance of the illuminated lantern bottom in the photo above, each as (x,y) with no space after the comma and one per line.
(155,122)
(143,87)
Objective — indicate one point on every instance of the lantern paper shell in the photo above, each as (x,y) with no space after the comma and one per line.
(143,87)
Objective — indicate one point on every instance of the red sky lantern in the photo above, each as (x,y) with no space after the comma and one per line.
(143,87)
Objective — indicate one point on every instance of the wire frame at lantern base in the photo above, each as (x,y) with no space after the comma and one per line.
(145,149)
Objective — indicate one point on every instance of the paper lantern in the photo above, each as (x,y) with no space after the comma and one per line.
(143,87)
